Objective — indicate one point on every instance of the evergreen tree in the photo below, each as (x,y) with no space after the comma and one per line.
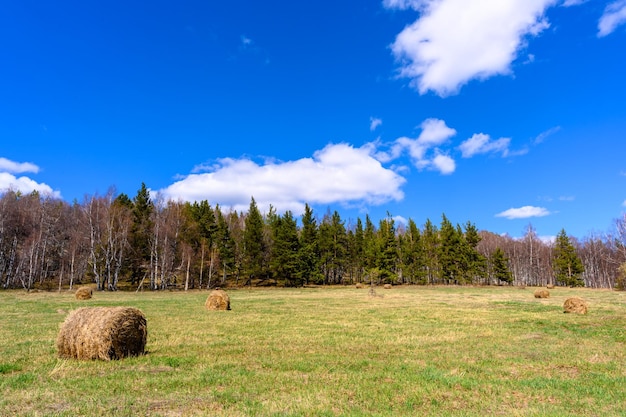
(500,267)
(388,250)
(432,242)
(476,264)
(285,250)
(370,250)
(254,244)
(413,259)
(141,235)
(225,244)
(309,258)
(333,248)
(451,256)
(568,267)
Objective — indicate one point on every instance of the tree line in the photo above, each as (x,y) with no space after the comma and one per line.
(117,242)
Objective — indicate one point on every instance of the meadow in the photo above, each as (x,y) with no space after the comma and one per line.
(335,351)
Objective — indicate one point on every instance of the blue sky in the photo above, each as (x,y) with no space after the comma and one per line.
(502,113)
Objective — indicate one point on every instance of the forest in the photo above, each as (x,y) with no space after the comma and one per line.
(121,243)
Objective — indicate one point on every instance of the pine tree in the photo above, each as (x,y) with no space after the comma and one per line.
(568,267)
(309,259)
(284,259)
(388,252)
(476,264)
(141,234)
(451,255)
(254,244)
(432,242)
(500,267)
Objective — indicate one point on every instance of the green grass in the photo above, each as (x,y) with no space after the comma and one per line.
(445,351)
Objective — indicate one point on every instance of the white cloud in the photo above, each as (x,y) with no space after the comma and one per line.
(544,135)
(374,123)
(480,143)
(424,150)
(339,173)
(455,41)
(404,4)
(7,165)
(568,3)
(624,203)
(524,212)
(25,185)
(444,164)
(614,16)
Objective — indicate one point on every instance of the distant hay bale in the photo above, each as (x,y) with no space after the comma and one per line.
(387,286)
(359,285)
(550,286)
(218,300)
(104,333)
(575,305)
(84,293)
(542,294)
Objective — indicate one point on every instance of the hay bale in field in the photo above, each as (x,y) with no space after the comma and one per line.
(550,286)
(387,286)
(575,305)
(542,294)
(83,293)
(218,300)
(359,285)
(104,333)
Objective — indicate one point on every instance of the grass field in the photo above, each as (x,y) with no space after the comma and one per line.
(414,351)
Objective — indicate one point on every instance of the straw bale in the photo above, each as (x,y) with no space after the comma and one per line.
(104,333)
(575,305)
(387,286)
(550,286)
(84,293)
(359,285)
(542,294)
(218,300)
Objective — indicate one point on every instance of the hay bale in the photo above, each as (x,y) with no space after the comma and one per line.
(104,333)
(387,286)
(359,285)
(218,300)
(542,294)
(84,293)
(575,305)
(550,286)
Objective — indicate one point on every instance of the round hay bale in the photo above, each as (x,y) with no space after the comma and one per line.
(387,286)
(359,285)
(104,333)
(550,286)
(218,300)
(575,305)
(542,294)
(84,293)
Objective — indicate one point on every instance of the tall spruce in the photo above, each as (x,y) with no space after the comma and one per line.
(568,268)
(285,249)
(451,255)
(476,263)
(141,235)
(388,250)
(309,253)
(432,242)
(500,267)
(254,244)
